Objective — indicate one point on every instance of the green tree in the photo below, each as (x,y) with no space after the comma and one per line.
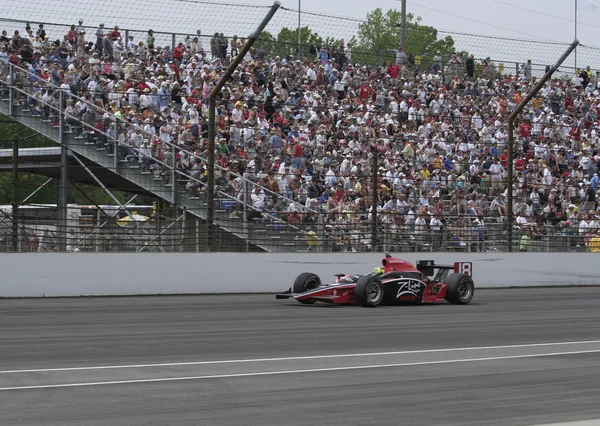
(29,182)
(286,42)
(379,36)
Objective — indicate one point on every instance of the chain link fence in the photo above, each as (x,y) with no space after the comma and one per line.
(110,229)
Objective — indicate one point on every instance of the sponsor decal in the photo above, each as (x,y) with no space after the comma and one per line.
(410,287)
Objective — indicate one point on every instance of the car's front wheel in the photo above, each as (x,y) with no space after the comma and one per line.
(369,291)
(304,282)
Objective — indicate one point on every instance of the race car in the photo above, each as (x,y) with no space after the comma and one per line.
(397,282)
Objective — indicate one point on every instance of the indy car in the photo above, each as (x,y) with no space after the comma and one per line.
(397,282)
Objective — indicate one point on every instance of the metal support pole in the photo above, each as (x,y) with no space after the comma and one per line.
(183,224)
(63,183)
(173,176)
(245,218)
(173,41)
(116,147)
(246,200)
(158,220)
(576,1)
(299,26)
(98,218)
(15,193)
(210,191)
(104,188)
(374,202)
(98,226)
(511,139)
(11,92)
(157,237)
(211,121)
(403,29)
(38,189)
(197,235)
(510,179)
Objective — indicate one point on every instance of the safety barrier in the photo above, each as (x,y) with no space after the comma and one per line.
(91,274)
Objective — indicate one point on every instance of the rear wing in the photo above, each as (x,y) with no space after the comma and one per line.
(429,268)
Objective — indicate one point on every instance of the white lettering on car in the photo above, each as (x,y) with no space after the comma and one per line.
(410,287)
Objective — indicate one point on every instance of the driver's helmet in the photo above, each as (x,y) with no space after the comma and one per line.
(379,270)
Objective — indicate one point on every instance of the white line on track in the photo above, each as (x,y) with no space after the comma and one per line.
(314,370)
(594,422)
(311,357)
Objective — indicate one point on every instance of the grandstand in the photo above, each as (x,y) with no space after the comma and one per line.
(297,137)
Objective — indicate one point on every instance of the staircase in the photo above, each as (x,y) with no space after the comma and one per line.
(267,233)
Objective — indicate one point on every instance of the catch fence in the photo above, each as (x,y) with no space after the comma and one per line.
(175,230)
(507,53)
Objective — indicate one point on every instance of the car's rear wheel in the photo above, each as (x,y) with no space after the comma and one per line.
(460,289)
(304,282)
(369,291)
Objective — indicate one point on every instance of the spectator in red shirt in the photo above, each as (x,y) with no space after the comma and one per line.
(519,163)
(504,160)
(365,91)
(525,129)
(575,134)
(115,34)
(178,52)
(394,71)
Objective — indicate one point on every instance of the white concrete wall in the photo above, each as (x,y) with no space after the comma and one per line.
(89,274)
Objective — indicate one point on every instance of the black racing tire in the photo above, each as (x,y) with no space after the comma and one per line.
(460,289)
(304,282)
(369,291)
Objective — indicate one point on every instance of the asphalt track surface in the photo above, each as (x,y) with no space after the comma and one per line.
(512,357)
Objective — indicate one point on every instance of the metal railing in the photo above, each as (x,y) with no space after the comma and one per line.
(24,94)
(177,231)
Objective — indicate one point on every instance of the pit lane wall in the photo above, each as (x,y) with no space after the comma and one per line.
(92,274)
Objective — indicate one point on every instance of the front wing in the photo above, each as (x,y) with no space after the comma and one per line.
(334,294)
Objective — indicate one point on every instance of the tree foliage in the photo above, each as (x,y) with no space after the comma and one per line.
(29,182)
(286,42)
(378,38)
(380,35)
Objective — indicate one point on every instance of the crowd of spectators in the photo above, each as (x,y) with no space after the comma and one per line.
(307,130)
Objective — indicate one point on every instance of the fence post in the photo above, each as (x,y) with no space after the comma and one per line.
(64,174)
(173,176)
(443,72)
(321,233)
(11,92)
(374,239)
(15,194)
(197,235)
(245,224)
(116,146)
(183,233)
